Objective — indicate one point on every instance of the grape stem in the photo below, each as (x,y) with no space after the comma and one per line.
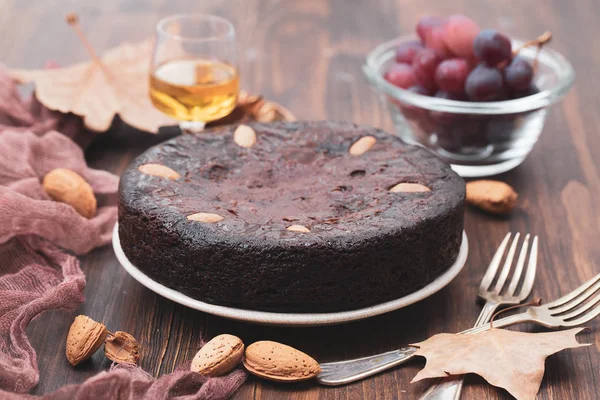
(539,42)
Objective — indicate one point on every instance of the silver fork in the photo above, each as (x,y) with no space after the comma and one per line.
(343,372)
(451,388)
(574,309)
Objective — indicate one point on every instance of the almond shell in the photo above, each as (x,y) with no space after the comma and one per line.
(84,339)
(219,356)
(279,362)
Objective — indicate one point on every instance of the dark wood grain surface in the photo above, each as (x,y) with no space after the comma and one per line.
(307,55)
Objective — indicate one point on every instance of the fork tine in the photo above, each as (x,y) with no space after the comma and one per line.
(586,317)
(493,267)
(512,288)
(531,270)
(581,310)
(568,297)
(577,301)
(507,265)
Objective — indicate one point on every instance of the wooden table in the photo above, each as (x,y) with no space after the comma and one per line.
(307,55)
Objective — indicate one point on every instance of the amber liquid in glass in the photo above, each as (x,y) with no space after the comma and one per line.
(194,89)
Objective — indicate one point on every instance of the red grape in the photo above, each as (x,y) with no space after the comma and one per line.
(484,83)
(451,75)
(405,53)
(436,40)
(492,47)
(445,117)
(531,90)
(415,112)
(460,32)
(419,90)
(401,75)
(424,66)
(518,74)
(451,96)
(426,23)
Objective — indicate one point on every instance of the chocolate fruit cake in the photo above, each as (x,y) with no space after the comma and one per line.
(291,217)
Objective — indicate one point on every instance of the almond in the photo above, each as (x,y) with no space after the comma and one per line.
(66,186)
(407,187)
(278,362)
(219,356)
(122,348)
(244,136)
(84,339)
(205,217)
(362,145)
(298,228)
(492,196)
(159,170)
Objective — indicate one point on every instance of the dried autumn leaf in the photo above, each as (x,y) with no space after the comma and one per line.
(507,359)
(115,83)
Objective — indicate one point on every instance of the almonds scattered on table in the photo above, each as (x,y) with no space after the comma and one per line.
(244,136)
(86,336)
(492,196)
(279,362)
(208,218)
(407,187)
(122,348)
(66,186)
(362,145)
(298,228)
(159,170)
(84,339)
(219,356)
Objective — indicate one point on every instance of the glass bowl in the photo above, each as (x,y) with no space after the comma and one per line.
(476,138)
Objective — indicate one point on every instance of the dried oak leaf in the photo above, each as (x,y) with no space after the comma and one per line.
(115,83)
(507,359)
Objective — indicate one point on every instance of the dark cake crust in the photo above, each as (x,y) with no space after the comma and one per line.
(366,245)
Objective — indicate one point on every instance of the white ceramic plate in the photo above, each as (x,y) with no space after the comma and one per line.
(292,319)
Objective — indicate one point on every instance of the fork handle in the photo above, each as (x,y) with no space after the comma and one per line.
(343,372)
(488,310)
(451,388)
(447,389)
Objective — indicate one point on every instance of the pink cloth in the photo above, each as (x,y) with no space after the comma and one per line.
(29,114)
(131,382)
(37,274)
